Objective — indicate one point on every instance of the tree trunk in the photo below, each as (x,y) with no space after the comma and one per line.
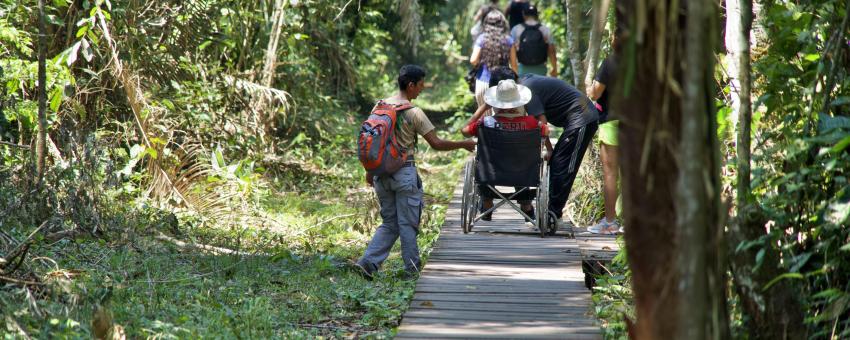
(778,314)
(41,143)
(411,19)
(573,8)
(600,13)
(671,199)
(703,312)
(649,136)
(266,110)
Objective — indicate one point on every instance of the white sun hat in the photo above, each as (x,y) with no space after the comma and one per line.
(507,95)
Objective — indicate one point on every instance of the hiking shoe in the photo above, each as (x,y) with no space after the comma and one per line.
(366,274)
(530,214)
(410,275)
(486,217)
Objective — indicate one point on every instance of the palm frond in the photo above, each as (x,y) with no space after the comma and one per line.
(269,94)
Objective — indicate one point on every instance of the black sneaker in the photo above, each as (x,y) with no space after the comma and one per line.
(366,274)
(530,214)
(488,216)
(410,275)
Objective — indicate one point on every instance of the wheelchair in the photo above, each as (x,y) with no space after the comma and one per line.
(508,159)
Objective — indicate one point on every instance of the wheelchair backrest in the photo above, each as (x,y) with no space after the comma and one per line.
(508,158)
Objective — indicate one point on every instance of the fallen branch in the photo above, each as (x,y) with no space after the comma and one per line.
(19,251)
(20,282)
(25,147)
(302,231)
(72,233)
(202,247)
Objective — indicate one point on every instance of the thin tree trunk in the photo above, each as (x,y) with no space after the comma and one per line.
(41,143)
(574,40)
(650,56)
(776,314)
(600,13)
(265,108)
(703,313)
(835,58)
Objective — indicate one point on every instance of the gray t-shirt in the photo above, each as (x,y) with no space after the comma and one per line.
(563,104)
(516,32)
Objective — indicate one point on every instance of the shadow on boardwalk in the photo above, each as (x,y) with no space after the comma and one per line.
(502,281)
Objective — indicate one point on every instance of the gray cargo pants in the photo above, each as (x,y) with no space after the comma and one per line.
(400,196)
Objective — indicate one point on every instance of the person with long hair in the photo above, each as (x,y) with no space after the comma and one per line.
(493,48)
(478,27)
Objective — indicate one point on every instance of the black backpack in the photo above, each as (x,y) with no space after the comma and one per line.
(533,48)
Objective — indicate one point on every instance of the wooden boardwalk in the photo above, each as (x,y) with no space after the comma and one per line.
(502,281)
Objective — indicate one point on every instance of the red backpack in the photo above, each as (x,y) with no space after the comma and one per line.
(377,147)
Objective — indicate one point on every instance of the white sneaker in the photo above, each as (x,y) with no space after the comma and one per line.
(605,228)
(599,227)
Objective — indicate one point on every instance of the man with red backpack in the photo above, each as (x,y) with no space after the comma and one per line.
(534,45)
(398,123)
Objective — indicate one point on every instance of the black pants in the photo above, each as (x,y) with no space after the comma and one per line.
(564,164)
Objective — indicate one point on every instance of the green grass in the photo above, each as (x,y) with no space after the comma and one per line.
(297,285)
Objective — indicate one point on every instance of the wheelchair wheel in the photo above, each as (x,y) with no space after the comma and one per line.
(467,213)
(552,224)
(543,202)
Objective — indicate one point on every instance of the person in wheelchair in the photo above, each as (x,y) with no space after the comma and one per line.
(506,101)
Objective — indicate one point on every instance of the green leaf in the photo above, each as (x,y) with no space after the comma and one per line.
(168,104)
(72,53)
(759,259)
(828,123)
(812,57)
(841,145)
(55,99)
(840,101)
(845,247)
(82,31)
(829,293)
(152,152)
(87,51)
(838,213)
(780,278)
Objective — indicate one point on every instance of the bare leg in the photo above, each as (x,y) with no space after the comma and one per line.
(610,174)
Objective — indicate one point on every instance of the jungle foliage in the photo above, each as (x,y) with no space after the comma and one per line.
(197,185)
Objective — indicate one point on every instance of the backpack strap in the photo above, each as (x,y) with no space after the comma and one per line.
(401,108)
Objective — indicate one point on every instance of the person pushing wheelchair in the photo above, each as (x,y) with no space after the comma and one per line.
(506,100)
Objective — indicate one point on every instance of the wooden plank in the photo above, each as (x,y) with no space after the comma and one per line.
(411,334)
(474,289)
(528,299)
(566,307)
(565,317)
(425,328)
(501,281)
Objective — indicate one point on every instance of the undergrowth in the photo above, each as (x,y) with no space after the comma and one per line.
(314,215)
(613,300)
